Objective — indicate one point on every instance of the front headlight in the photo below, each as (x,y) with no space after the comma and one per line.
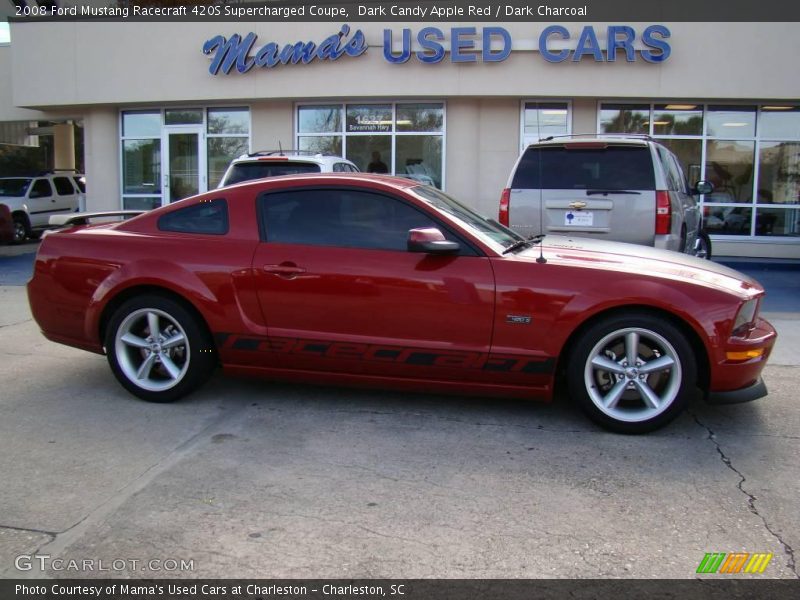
(745,318)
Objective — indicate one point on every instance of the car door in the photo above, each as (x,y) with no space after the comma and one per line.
(41,202)
(340,292)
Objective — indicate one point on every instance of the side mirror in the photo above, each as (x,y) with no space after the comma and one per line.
(431,241)
(703,187)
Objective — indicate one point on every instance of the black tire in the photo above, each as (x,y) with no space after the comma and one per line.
(702,247)
(617,397)
(174,369)
(21,229)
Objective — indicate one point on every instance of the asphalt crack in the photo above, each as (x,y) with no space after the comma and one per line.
(15,324)
(751,499)
(52,534)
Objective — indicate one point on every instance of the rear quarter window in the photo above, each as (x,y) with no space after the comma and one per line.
(602,168)
(208,218)
(63,186)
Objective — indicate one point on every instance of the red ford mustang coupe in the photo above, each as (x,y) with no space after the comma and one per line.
(380,281)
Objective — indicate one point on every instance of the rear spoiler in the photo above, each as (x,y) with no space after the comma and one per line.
(84,218)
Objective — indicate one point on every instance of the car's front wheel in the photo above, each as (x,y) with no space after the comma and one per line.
(632,373)
(702,246)
(157,349)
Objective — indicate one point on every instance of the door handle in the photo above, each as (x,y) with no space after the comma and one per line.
(289,270)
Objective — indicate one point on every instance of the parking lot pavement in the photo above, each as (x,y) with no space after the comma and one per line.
(255,479)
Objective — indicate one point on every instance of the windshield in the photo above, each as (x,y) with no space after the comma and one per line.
(15,187)
(487,229)
(258,170)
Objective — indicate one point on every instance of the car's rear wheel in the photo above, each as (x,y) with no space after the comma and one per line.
(157,349)
(20,229)
(632,373)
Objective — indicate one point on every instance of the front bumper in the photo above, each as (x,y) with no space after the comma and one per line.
(747,394)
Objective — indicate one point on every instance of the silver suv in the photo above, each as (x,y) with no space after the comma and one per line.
(627,189)
(272,163)
(33,200)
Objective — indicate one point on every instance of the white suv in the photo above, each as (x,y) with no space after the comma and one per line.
(272,163)
(33,200)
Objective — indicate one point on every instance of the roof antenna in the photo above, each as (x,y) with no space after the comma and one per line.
(541,259)
(280,148)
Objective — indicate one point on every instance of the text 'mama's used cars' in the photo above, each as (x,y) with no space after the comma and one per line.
(379,281)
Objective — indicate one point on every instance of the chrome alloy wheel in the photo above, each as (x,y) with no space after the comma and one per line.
(633,374)
(152,349)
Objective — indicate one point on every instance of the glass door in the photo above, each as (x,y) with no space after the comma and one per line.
(184,160)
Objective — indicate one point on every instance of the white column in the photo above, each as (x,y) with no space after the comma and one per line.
(64,146)
(101,143)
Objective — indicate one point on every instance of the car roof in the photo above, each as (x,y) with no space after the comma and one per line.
(400,183)
(592,140)
(293,156)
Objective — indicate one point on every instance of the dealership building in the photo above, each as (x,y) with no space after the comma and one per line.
(155,111)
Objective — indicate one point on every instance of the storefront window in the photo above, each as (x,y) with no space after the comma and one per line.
(678,119)
(183,117)
(420,117)
(369,118)
(319,119)
(420,157)
(779,173)
(370,152)
(221,151)
(729,166)
(159,146)
(731,121)
(752,156)
(543,119)
(625,118)
(398,138)
(727,220)
(228,120)
(141,166)
(322,144)
(141,124)
(228,136)
(779,122)
(778,221)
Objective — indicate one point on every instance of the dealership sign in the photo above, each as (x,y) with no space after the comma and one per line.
(432,44)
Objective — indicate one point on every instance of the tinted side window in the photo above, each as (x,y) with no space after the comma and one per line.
(673,183)
(580,168)
(41,189)
(205,218)
(683,185)
(345,218)
(63,186)
(340,168)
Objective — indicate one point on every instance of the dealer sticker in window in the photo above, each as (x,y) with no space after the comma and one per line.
(579,218)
